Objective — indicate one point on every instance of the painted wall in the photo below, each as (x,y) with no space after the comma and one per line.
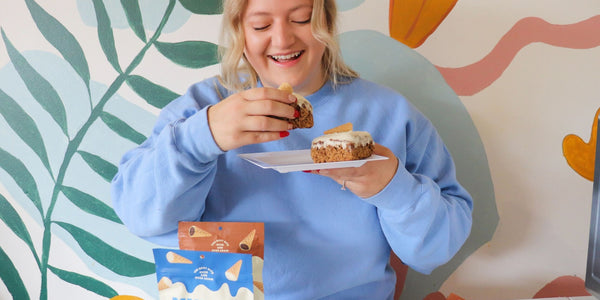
(81,82)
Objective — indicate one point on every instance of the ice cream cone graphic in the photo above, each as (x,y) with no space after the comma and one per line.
(194,231)
(246,243)
(233,272)
(164,283)
(175,258)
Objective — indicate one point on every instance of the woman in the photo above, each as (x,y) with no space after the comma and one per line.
(320,241)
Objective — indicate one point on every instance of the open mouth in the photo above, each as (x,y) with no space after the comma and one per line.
(286,58)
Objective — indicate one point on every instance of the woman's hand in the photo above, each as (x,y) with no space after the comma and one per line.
(368,179)
(248,117)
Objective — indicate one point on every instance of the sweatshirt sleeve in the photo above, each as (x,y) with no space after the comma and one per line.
(166,179)
(425,214)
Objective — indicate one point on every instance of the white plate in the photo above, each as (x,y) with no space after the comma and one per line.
(299,160)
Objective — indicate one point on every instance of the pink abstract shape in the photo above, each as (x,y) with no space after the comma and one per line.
(471,79)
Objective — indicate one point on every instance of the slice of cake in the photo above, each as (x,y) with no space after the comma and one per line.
(341,144)
(305,120)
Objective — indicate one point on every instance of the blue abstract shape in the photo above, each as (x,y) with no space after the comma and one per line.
(152,13)
(381,59)
(344,5)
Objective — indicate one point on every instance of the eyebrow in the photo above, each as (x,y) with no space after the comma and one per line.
(264,13)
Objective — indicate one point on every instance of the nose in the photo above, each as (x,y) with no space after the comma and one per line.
(282,35)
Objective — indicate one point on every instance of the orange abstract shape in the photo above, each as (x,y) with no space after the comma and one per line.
(454,296)
(435,296)
(412,21)
(563,286)
(471,79)
(125,297)
(581,155)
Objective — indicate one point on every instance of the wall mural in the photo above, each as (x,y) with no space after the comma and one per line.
(581,155)
(61,147)
(62,132)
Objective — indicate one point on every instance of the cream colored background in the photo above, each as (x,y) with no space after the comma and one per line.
(545,93)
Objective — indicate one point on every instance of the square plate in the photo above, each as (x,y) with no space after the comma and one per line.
(299,160)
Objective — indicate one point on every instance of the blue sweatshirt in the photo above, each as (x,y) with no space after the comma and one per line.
(321,242)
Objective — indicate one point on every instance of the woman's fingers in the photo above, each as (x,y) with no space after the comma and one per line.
(370,178)
(268,94)
(264,124)
(270,108)
(252,116)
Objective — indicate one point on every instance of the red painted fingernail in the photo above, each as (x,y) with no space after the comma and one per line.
(306,171)
(296,113)
(283,134)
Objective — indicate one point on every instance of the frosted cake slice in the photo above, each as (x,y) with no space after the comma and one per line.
(341,144)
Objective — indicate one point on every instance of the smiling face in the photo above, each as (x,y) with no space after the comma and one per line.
(280,46)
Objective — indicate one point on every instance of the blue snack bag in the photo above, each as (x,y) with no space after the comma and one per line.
(201,275)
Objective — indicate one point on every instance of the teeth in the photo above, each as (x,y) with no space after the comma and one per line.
(289,56)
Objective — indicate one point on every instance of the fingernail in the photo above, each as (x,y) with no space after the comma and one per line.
(296,113)
(293,98)
(306,171)
(283,134)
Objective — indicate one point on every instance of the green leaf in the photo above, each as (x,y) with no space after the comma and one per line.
(122,129)
(17,170)
(113,259)
(90,204)
(11,278)
(156,95)
(38,86)
(61,39)
(12,219)
(24,126)
(104,168)
(105,34)
(191,54)
(85,282)
(204,7)
(134,17)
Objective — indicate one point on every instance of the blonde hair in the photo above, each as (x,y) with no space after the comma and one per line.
(236,72)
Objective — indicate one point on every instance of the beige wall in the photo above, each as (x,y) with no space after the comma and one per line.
(544,93)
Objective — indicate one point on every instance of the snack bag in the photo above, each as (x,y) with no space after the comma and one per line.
(200,275)
(228,237)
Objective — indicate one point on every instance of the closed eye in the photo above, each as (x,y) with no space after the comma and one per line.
(303,22)
(261,28)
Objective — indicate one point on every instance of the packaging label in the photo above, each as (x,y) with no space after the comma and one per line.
(191,275)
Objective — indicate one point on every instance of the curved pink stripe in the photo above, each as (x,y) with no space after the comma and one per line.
(473,78)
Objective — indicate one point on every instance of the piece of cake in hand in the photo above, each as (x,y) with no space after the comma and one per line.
(305,119)
(341,144)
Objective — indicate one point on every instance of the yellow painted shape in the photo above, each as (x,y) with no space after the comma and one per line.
(581,155)
(411,22)
(125,297)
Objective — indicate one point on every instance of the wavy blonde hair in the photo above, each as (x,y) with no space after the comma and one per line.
(236,72)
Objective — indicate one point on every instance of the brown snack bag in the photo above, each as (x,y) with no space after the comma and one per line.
(232,237)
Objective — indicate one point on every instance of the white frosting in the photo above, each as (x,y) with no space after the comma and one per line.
(179,291)
(343,139)
(303,102)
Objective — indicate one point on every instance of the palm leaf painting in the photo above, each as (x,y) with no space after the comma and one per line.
(31,182)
